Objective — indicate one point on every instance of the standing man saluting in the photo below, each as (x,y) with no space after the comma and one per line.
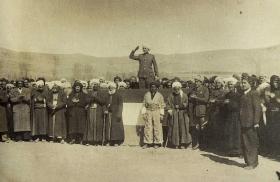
(148,70)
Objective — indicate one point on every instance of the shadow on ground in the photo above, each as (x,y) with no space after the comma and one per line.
(223,160)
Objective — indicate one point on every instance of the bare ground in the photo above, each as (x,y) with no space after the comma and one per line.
(56,162)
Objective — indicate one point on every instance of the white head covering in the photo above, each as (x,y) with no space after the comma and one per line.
(63,80)
(10,85)
(176,84)
(220,80)
(94,81)
(103,85)
(58,83)
(112,84)
(50,85)
(145,47)
(122,84)
(40,83)
(84,83)
(230,80)
(199,78)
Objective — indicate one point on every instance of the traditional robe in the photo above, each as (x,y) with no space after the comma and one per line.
(178,123)
(216,116)
(39,112)
(77,113)
(114,123)
(232,123)
(95,117)
(21,109)
(3,111)
(57,119)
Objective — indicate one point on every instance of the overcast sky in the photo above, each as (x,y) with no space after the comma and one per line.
(114,27)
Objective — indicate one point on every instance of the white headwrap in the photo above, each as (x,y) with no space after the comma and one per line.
(94,81)
(176,84)
(231,80)
(220,80)
(103,85)
(112,84)
(199,78)
(40,83)
(122,84)
(84,83)
(50,85)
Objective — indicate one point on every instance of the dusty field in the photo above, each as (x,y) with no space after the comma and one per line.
(55,162)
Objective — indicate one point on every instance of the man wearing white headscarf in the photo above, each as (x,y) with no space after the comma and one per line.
(148,70)
(114,129)
(178,120)
(232,122)
(216,114)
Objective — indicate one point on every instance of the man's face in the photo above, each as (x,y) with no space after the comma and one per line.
(133,79)
(145,50)
(40,87)
(218,84)
(117,81)
(230,86)
(245,85)
(111,88)
(176,90)
(275,84)
(26,84)
(153,88)
(55,89)
(20,84)
(77,88)
(198,83)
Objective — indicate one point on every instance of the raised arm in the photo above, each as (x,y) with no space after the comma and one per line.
(132,54)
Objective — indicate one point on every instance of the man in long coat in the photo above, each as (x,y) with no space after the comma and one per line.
(148,70)
(216,114)
(114,129)
(178,120)
(250,113)
(3,115)
(232,122)
(20,98)
(95,115)
(56,103)
(153,112)
(39,112)
(199,97)
(76,109)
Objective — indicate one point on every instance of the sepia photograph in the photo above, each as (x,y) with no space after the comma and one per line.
(139,90)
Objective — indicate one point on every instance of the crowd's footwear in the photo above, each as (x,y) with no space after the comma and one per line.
(156,146)
(72,142)
(195,147)
(182,147)
(62,141)
(145,146)
(37,140)
(250,167)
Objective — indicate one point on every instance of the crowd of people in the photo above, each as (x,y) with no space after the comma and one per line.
(226,113)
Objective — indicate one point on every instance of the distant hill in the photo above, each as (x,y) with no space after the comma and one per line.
(15,64)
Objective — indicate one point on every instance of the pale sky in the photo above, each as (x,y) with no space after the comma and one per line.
(114,27)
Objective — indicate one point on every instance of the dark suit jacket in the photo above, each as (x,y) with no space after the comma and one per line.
(250,109)
(147,65)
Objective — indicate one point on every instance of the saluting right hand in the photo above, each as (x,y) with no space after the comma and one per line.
(136,48)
